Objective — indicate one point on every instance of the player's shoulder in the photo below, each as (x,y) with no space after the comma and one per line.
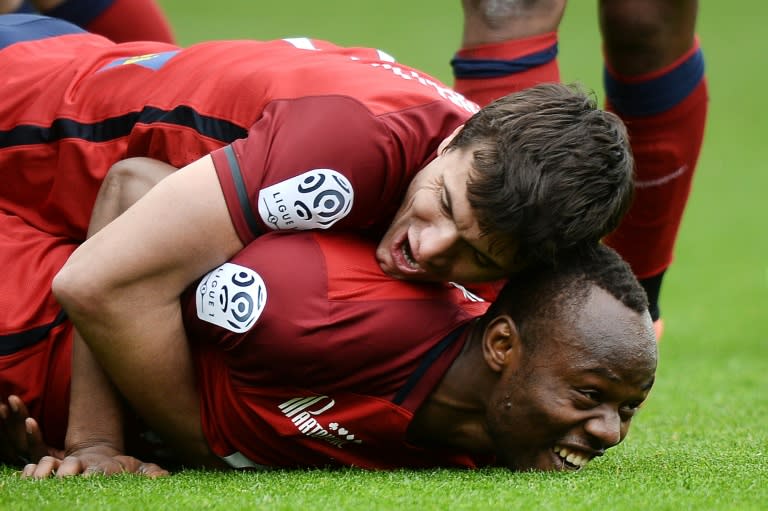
(307,252)
(347,253)
(354,275)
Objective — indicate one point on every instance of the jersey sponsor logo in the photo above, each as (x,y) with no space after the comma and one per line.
(152,61)
(232,297)
(316,199)
(305,413)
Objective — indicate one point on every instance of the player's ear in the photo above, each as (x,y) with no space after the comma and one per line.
(501,343)
(447,140)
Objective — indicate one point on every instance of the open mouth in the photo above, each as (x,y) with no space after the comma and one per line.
(403,258)
(571,460)
(408,255)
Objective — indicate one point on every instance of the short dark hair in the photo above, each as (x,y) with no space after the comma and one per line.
(537,295)
(551,171)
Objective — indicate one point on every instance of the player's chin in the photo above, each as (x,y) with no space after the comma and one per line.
(397,273)
(394,259)
(388,264)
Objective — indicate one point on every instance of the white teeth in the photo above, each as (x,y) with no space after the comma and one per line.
(577,460)
(408,258)
(571,457)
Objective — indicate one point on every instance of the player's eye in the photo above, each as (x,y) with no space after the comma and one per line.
(630,409)
(591,395)
(483,260)
(445,204)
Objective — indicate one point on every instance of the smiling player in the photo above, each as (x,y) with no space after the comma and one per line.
(332,363)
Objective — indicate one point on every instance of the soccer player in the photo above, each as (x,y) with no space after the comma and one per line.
(118,20)
(303,134)
(321,135)
(329,362)
(654,80)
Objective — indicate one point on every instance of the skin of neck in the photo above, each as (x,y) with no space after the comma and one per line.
(454,413)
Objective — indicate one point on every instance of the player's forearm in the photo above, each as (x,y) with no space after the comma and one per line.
(138,339)
(156,378)
(121,289)
(95,414)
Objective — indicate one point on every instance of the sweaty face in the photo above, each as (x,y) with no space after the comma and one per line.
(574,397)
(435,235)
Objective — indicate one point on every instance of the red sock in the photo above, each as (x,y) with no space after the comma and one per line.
(490,71)
(665,112)
(119,20)
(132,20)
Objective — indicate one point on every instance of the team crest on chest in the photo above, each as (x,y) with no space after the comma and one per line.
(152,61)
(232,297)
(316,199)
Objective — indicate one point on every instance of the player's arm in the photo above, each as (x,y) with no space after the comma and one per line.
(121,289)
(126,182)
(94,438)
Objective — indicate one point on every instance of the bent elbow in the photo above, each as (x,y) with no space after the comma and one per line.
(75,291)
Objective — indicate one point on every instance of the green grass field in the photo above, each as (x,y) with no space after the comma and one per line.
(702,440)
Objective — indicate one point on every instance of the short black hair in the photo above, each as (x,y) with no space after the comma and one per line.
(542,293)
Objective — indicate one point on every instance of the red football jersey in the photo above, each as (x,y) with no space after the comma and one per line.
(308,355)
(318,133)
(35,336)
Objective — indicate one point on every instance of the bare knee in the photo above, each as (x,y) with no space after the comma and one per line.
(489,21)
(44,5)
(7,6)
(130,179)
(644,35)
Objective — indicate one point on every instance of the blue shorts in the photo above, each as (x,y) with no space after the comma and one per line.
(16,28)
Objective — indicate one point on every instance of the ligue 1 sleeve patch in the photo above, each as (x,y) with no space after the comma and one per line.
(232,297)
(316,199)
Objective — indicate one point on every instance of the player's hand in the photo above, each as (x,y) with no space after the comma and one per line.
(21,440)
(91,460)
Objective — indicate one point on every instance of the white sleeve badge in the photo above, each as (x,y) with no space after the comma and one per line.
(316,199)
(232,297)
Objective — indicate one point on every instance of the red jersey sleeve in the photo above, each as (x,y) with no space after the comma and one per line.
(311,162)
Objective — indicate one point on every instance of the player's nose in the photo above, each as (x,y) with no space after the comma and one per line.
(605,426)
(438,246)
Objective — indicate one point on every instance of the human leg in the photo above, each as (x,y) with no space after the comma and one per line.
(655,82)
(507,46)
(119,20)
(16,7)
